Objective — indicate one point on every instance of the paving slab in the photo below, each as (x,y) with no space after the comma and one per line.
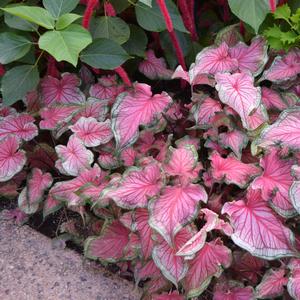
(30,269)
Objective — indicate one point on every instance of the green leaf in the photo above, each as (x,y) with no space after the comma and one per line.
(13,47)
(65,20)
(18,23)
(66,44)
(151,19)
(104,54)
(17,82)
(119,5)
(112,28)
(273,35)
(283,12)
(289,37)
(32,14)
(252,12)
(60,7)
(137,43)
(147,2)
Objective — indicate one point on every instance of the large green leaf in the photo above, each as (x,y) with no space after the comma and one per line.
(137,43)
(34,14)
(252,12)
(17,82)
(151,19)
(18,23)
(59,7)
(13,47)
(104,54)
(120,5)
(112,28)
(66,44)
(65,20)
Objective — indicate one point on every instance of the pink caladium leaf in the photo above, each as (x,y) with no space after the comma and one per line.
(272,284)
(236,140)
(108,161)
(204,111)
(75,157)
(238,91)
(257,119)
(32,100)
(63,91)
(37,183)
(7,110)
(275,182)
(173,267)
(92,108)
(293,285)
(43,157)
(208,263)
(212,60)
(52,117)
(145,231)
(183,162)
(12,160)
(232,290)
(110,245)
(232,170)
(294,195)
(257,229)
(175,207)
(285,131)
(230,35)
(136,187)
(251,58)
(51,205)
(128,157)
(171,296)
(91,132)
(20,125)
(284,68)
(136,108)
(272,99)
(72,191)
(154,67)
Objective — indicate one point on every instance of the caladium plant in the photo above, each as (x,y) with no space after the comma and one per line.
(188,178)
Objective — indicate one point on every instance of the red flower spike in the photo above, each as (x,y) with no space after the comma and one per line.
(272,4)
(109,9)
(91,5)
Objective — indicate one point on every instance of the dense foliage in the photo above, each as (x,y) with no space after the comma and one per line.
(178,150)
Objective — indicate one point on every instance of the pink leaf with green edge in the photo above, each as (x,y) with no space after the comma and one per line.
(91,132)
(136,108)
(285,131)
(52,117)
(205,111)
(51,205)
(63,91)
(175,207)
(236,140)
(275,182)
(257,119)
(272,284)
(128,157)
(37,183)
(284,68)
(110,245)
(232,290)
(32,100)
(43,157)
(92,108)
(231,170)
(181,74)
(21,125)
(136,187)
(7,110)
(183,162)
(12,160)
(212,60)
(171,296)
(208,263)
(71,191)
(154,67)
(188,140)
(272,99)
(293,285)
(108,161)
(75,157)
(257,229)
(230,35)
(247,266)
(144,231)
(294,193)
(238,91)
(251,58)
(173,267)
